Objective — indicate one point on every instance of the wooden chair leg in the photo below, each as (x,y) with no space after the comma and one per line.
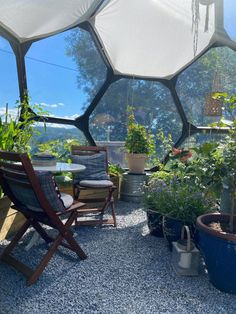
(113,213)
(109,201)
(41,231)
(73,245)
(16,239)
(41,266)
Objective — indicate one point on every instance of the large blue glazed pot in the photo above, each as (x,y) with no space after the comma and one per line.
(219,251)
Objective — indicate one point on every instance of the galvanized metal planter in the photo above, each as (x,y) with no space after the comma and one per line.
(132,187)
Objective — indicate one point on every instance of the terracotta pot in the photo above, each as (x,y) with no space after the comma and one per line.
(136,162)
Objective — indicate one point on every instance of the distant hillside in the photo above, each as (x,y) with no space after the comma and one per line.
(52,133)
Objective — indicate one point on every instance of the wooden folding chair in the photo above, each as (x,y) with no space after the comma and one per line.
(95,178)
(26,189)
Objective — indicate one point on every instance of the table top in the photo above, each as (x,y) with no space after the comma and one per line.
(61,167)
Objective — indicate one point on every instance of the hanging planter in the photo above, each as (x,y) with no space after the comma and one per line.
(213,106)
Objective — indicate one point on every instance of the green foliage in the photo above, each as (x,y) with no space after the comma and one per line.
(176,197)
(16,133)
(61,149)
(138,140)
(165,142)
(228,148)
(115,170)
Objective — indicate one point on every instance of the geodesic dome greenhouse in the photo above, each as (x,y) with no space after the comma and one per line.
(152,53)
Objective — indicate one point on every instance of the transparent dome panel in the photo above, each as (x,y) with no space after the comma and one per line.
(56,139)
(153,107)
(63,73)
(201,138)
(9,90)
(213,72)
(229,18)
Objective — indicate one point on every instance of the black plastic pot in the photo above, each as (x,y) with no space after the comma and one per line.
(171,229)
(154,221)
(219,251)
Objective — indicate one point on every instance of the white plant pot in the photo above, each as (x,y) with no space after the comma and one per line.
(136,162)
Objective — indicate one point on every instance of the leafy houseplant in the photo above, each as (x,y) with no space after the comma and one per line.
(178,200)
(217,232)
(15,135)
(115,172)
(139,144)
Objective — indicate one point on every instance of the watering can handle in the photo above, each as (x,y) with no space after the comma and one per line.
(186,228)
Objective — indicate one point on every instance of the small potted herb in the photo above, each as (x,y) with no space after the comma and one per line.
(139,144)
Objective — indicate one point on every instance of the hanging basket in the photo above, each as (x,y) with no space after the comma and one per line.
(213,107)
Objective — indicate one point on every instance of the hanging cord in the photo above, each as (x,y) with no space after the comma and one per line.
(207,18)
(132,95)
(189,133)
(127,94)
(195,23)
(196,19)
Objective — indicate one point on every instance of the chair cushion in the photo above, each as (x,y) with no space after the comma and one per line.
(95,167)
(96,183)
(49,188)
(67,200)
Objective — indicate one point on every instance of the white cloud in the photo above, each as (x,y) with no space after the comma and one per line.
(54,125)
(12,112)
(43,104)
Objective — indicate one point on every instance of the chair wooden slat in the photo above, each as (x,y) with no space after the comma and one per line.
(107,202)
(23,175)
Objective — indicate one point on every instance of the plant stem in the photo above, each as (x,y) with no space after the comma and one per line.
(231,220)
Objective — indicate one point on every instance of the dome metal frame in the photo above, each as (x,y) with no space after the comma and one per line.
(220,39)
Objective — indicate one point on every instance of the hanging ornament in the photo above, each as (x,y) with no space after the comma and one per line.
(213,107)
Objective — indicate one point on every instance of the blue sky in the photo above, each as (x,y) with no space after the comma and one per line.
(55,87)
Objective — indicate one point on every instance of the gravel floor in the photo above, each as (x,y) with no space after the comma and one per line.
(128,271)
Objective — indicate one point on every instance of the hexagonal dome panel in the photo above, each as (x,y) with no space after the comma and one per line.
(154,38)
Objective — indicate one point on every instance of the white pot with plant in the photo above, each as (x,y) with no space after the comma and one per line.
(139,144)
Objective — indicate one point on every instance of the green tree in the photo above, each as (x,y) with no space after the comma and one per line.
(152,102)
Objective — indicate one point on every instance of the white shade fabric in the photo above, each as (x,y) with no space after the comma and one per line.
(152,38)
(142,38)
(32,19)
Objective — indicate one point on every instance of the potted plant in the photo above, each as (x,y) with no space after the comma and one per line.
(154,216)
(217,232)
(15,135)
(179,201)
(115,172)
(139,144)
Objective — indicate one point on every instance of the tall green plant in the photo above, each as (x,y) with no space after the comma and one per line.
(229,147)
(138,140)
(16,132)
